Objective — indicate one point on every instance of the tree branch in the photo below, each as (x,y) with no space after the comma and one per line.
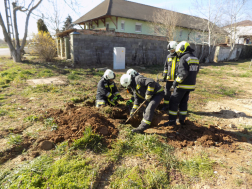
(6,36)
(26,23)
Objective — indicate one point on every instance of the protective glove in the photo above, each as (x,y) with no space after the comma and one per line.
(164,77)
(148,97)
(175,84)
(129,102)
(120,98)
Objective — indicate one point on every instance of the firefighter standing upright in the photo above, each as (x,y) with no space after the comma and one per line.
(170,71)
(107,92)
(144,89)
(184,83)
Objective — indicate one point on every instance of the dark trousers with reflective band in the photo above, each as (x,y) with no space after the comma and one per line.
(167,92)
(178,100)
(149,111)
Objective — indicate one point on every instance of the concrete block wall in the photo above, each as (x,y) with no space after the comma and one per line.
(96,48)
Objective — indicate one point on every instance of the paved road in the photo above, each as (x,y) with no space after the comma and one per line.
(4,52)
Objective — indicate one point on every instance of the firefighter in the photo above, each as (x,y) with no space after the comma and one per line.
(107,92)
(133,73)
(170,70)
(184,83)
(143,89)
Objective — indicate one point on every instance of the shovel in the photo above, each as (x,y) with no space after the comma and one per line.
(135,112)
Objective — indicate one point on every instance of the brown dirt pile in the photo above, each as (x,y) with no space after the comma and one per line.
(195,134)
(73,120)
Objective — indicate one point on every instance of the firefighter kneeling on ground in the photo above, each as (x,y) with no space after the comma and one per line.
(143,89)
(170,71)
(133,73)
(107,92)
(183,84)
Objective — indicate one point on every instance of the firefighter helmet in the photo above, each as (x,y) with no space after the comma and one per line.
(132,72)
(172,45)
(109,74)
(125,80)
(182,47)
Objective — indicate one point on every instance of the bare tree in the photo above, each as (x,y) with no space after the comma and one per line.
(165,23)
(211,12)
(55,16)
(235,11)
(17,48)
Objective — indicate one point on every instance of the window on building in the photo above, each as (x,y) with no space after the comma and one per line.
(107,26)
(180,33)
(138,27)
(122,25)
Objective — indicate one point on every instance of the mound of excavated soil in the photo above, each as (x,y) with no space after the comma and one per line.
(73,120)
(194,134)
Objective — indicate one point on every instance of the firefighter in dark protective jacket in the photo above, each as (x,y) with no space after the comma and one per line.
(143,89)
(170,71)
(184,83)
(107,92)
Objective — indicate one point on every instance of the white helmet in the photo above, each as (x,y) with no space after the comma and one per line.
(172,45)
(125,80)
(132,72)
(109,74)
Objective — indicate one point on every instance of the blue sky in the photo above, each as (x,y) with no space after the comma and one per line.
(182,6)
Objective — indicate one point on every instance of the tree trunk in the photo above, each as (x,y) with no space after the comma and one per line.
(16,55)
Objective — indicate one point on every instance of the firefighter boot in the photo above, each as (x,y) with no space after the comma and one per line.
(140,128)
(170,123)
(182,122)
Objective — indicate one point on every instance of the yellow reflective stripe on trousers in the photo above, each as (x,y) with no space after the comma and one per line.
(172,112)
(183,112)
(169,59)
(139,95)
(186,86)
(151,89)
(100,103)
(135,106)
(173,68)
(166,101)
(138,87)
(145,121)
(165,71)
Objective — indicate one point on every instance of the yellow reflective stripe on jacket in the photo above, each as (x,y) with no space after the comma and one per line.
(117,93)
(106,85)
(172,112)
(111,102)
(179,80)
(138,87)
(135,106)
(108,94)
(177,59)
(192,60)
(160,90)
(169,59)
(186,86)
(166,101)
(139,95)
(183,112)
(151,89)
(165,71)
(145,121)
(173,68)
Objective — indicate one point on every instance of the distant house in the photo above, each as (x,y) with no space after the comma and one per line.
(243,33)
(130,17)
